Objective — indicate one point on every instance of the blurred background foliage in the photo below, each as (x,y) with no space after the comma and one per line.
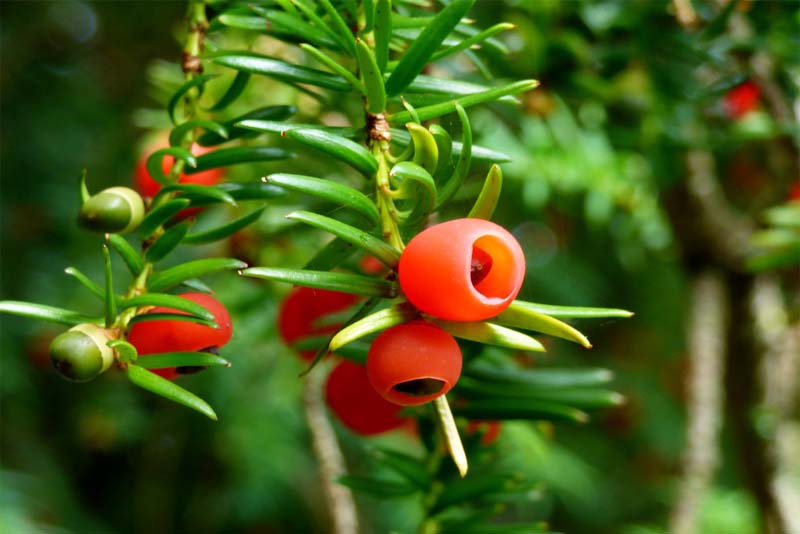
(596,193)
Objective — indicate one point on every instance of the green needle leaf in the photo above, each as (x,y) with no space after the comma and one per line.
(177,135)
(504,409)
(584,398)
(194,191)
(221,232)
(421,50)
(193,269)
(344,282)
(131,258)
(445,108)
(160,215)
(110,298)
(490,193)
(181,359)
(235,89)
(343,34)
(426,151)
(336,67)
(155,169)
(281,127)
(473,40)
(490,334)
(224,157)
(384,252)
(541,378)
(573,312)
(407,466)
(453,184)
(373,79)
(45,313)
(84,191)
(338,147)
(274,113)
(86,282)
(169,390)
(415,184)
(280,70)
(382,33)
(292,28)
(167,242)
(445,146)
(145,317)
(520,316)
(166,300)
(330,256)
(375,322)
(199,82)
(328,190)
(378,487)
(126,352)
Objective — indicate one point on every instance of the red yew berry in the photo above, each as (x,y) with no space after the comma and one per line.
(794,193)
(148,187)
(742,99)
(462,270)
(356,403)
(490,430)
(303,307)
(413,363)
(153,337)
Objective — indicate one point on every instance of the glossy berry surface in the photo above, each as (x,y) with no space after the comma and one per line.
(153,337)
(303,310)
(462,270)
(148,187)
(413,363)
(356,404)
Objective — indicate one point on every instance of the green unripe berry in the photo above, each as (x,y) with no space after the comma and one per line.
(81,353)
(116,210)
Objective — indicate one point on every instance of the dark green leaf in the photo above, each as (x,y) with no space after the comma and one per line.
(541,378)
(274,113)
(384,252)
(335,66)
(146,317)
(241,191)
(369,15)
(571,311)
(375,322)
(330,256)
(223,231)
(197,285)
(437,110)
(181,359)
(242,21)
(198,82)
(165,300)
(45,313)
(160,215)
(442,86)
(477,38)
(154,167)
(178,133)
(328,190)
(235,155)
(373,79)
(338,147)
(461,490)
(167,242)
(490,193)
(411,468)
(194,191)
(309,10)
(110,297)
(281,127)
(775,259)
(344,282)
(294,29)
(584,398)
(86,282)
(382,33)
(131,258)
(343,34)
(503,409)
(280,70)
(169,390)
(378,487)
(235,89)
(193,269)
(453,184)
(421,50)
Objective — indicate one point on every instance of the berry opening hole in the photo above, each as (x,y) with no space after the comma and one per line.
(480,265)
(420,387)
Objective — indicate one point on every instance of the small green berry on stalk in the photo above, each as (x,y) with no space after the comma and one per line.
(117,210)
(81,353)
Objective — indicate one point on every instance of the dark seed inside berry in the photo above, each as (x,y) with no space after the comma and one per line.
(480,266)
(420,387)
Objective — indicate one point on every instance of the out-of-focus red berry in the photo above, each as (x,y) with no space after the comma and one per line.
(794,192)
(148,188)
(304,307)
(462,270)
(356,403)
(413,363)
(153,337)
(742,99)
(490,429)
